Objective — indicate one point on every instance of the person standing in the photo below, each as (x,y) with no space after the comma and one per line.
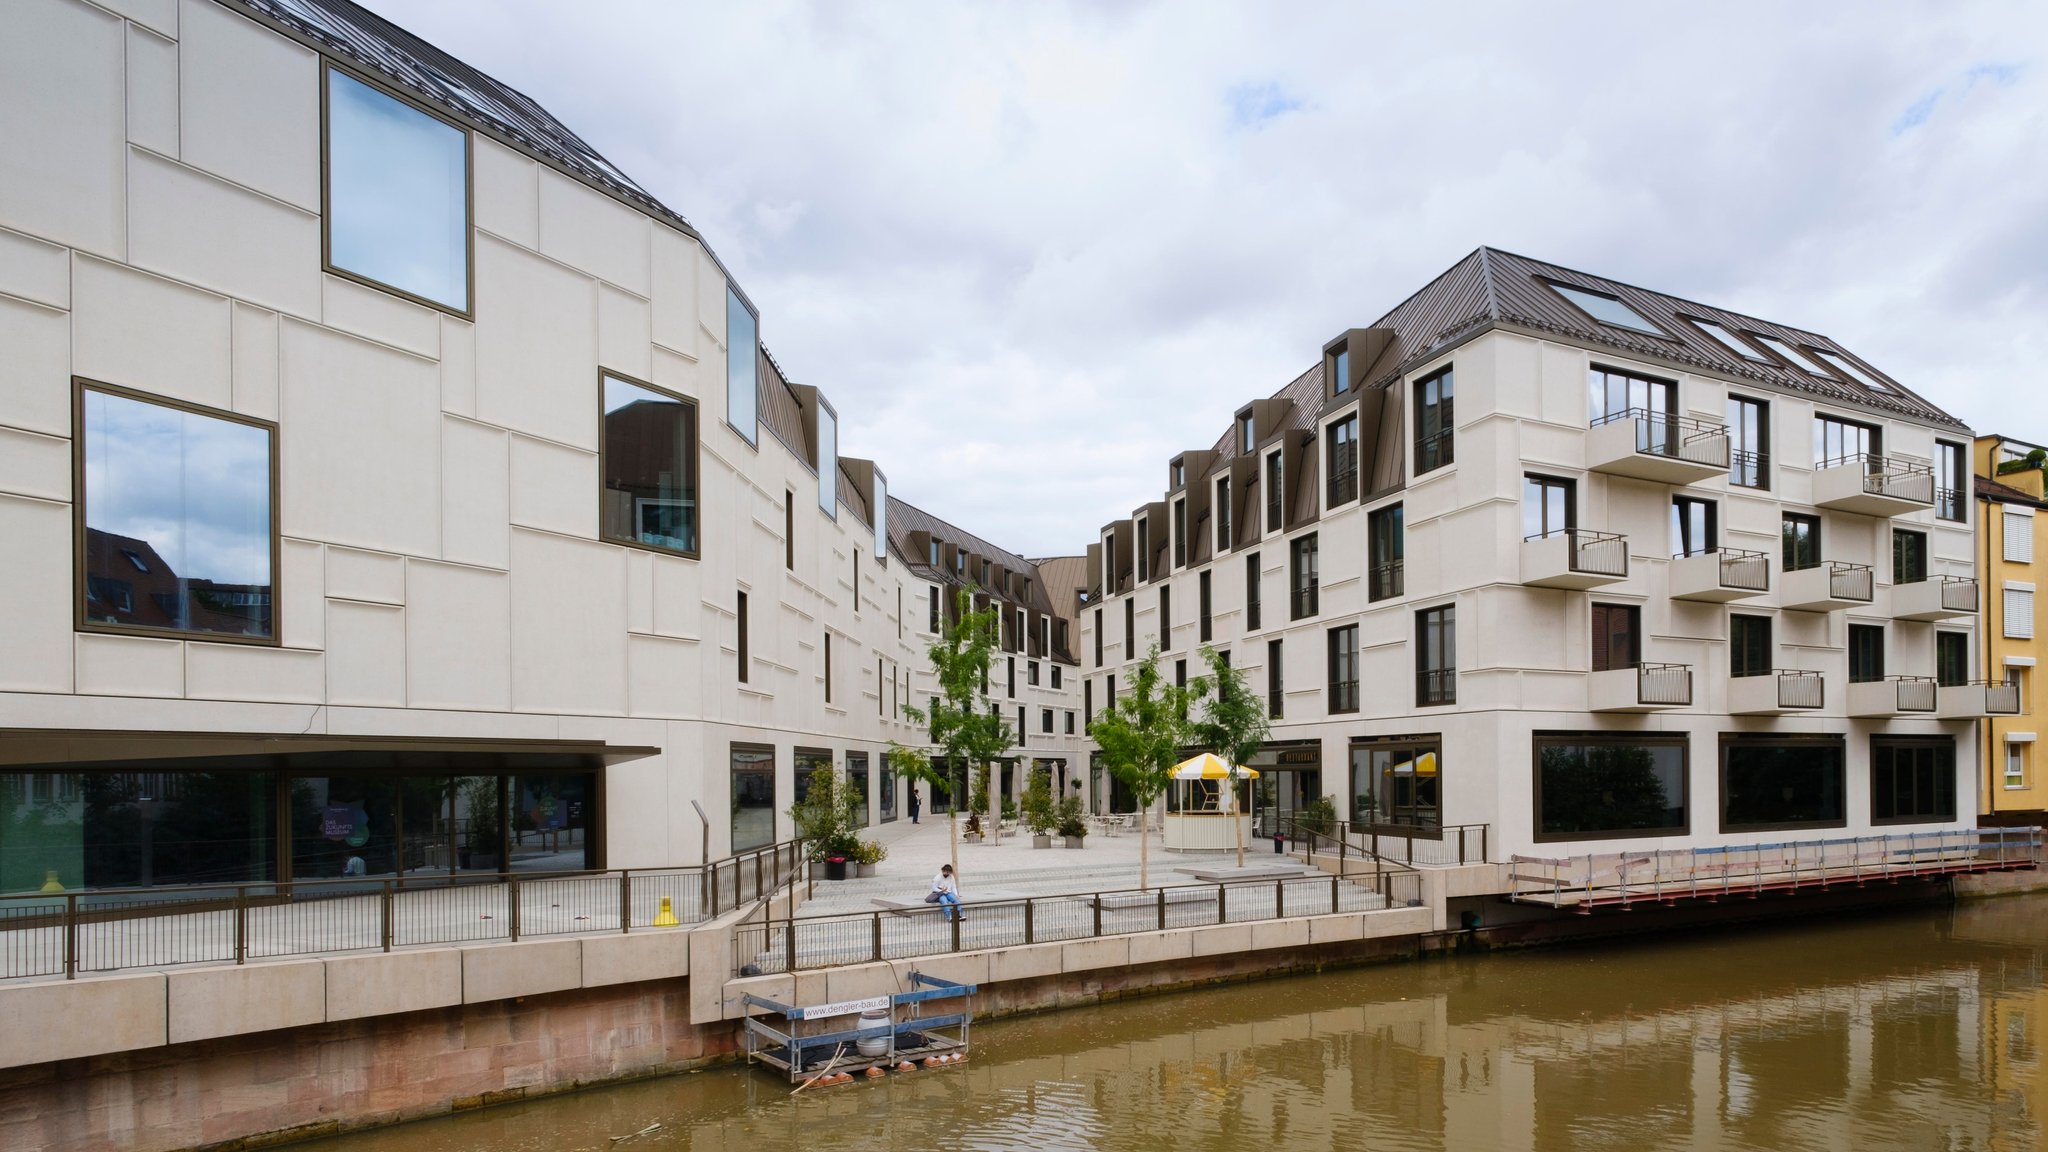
(948,892)
(913,803)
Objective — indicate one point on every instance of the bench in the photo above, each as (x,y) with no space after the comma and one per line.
(1228,875)
(905,907)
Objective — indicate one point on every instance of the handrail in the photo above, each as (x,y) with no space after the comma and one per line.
(1601,553)
(108,929)
(1848,581)
(1407,844)
(803,943)
(1663,683)
(1675,437)
(1800,688)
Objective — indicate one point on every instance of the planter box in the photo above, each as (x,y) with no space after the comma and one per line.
(1038,841)
(1077,841)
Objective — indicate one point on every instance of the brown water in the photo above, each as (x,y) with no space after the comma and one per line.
(1922,1030)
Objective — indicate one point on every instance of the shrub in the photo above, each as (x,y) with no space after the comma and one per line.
(1041,814)
(1073,822)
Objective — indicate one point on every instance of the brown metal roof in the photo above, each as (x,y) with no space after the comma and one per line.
(1988,489)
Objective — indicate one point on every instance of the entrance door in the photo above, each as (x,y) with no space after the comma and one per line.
(1284,794)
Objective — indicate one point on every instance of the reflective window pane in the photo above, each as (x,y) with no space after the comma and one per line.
(650,467)
(397,194)
(1592,787)
(177,519)
(828,462)
(135,829)
(753,797)
(742,395)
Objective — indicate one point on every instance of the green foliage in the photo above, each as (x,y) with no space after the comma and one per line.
(1041,815)
(959,719)
(1069,820)
(829,817)
(867,852)
(1141,737)
(1320,816)
(1233,721)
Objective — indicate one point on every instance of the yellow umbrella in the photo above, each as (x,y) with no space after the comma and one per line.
(1209,766)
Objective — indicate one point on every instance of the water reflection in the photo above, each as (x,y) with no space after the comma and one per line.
(1917,1031)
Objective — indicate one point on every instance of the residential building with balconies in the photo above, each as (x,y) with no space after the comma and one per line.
(1582,562)
(2010,508)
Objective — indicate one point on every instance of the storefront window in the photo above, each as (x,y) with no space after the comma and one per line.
(857,780)
(1398,782)
(1589,787)
(1912,780)
(753,797)
(888,786)
(135,829)
(1779,783)
(809,761)
(348,826)
(550,824)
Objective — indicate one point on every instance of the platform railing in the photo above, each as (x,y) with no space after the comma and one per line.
(68,933)
(1619,879)
(789,945)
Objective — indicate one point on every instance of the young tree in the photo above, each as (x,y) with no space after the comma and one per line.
(1233,723)
(963,726)
(1141,738)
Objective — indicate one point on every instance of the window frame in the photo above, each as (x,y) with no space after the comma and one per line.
(1447,430)
(1899,553)
(1342,646)
(1759,453)
(1785,522)
(1540,739)
(80,621)
(1745,622)
(1310,545)
(1951,461)
(1386,547)
(696,465)
(1541,486)
(1681,526)
(1893,740)
(1648,328)
(1730,740)
(1866,653)
(1445,622)
(1341,487)
(1603,656)
(1945,638)
(330,67)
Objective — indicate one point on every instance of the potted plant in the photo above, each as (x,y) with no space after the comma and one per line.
(867,854)
(827,818)
(1073,823)
(1041,814)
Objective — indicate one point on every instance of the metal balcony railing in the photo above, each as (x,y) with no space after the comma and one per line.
(2001,699)
(1664,684)
(1885,476)
(1386,580)
(1597,553)
(1675,437)
(1959,593)
(1798,688)
(1749,469)
(1916,693)
(1436,686)
(1850,581)
(1948,504)
(1740,568)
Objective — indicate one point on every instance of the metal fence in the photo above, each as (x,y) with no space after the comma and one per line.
(107,929)
(1401,844)
(1622,878)
(769,946)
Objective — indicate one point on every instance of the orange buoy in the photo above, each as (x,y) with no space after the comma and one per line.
(874,1073)
(906,1066)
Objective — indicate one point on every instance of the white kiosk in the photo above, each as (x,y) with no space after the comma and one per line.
(1205,811)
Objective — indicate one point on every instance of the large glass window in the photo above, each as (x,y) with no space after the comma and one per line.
(1435,423)
(1866,653)
(1276,681)
(1386,552)
(828,461)
(1398,781)
(886,796)
(1693,526)
(1909,556)
(178,519)
(1547,506)
(1951,659)
(1613,394)
(1207,609)
(1770,782)
(1617,636)
(1912,779)
(1343,458)
(1607,310)
(1749,645)
(742,368)
(1344,669)
(1340,371)
(1305,579)
(1590,786)
(1951,481)
(1844,442)
(1749,442)
(753,797)
(1180,532)
(1801,542)
(649,460)
(857,782)
(1436,656)
(397,194)
(1276,493)
(135,829)
(1223,537)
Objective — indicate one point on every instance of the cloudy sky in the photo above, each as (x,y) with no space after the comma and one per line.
(1032,250)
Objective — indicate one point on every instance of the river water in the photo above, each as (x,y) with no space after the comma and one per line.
(1918,1030)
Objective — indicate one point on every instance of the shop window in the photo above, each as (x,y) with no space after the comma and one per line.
(1912,779)
(1398,782)
(753,797)
(1593,787)
(1778,783)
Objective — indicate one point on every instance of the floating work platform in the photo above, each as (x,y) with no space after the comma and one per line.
(805,1042)
(1620,881)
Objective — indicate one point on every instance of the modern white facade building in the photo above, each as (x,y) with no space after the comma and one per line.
(388,484)
(1584,563)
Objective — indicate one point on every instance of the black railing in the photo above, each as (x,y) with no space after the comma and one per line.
(107,929)
(1432,452)
(1948,504)
(1436,686)
(1664,684)
(1675,437)
(1850,581)
(1748,469)
(1306,601)
(810,942)
(1385,581)
(1885,476)
(1594,553)
(1800,689)
(1959,593)
(1414,844)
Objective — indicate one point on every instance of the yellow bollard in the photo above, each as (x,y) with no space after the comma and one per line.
(666,918)
(51,883)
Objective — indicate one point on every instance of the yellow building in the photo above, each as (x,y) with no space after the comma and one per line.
(2009,501)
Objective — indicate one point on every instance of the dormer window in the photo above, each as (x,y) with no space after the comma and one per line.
(1727,339)
(1340,370)
(1607,310)
(1177,474)
(1246,433)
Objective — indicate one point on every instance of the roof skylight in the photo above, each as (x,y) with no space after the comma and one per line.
(1725,338)
(1790,355)
(1842,364)
(1607,310)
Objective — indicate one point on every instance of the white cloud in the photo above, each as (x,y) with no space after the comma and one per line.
(1062,242)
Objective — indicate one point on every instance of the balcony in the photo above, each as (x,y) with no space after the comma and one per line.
(1776,692)
(1643,688)
(1898,696)
(1574,558)
(1979,698)
(1830,586)
(1873,485)
(1942,598)
(1386,581)
(1720,575)
(1653,446)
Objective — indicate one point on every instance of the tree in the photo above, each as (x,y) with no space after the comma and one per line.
(1141,738)
(962,724)
(1233,722)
